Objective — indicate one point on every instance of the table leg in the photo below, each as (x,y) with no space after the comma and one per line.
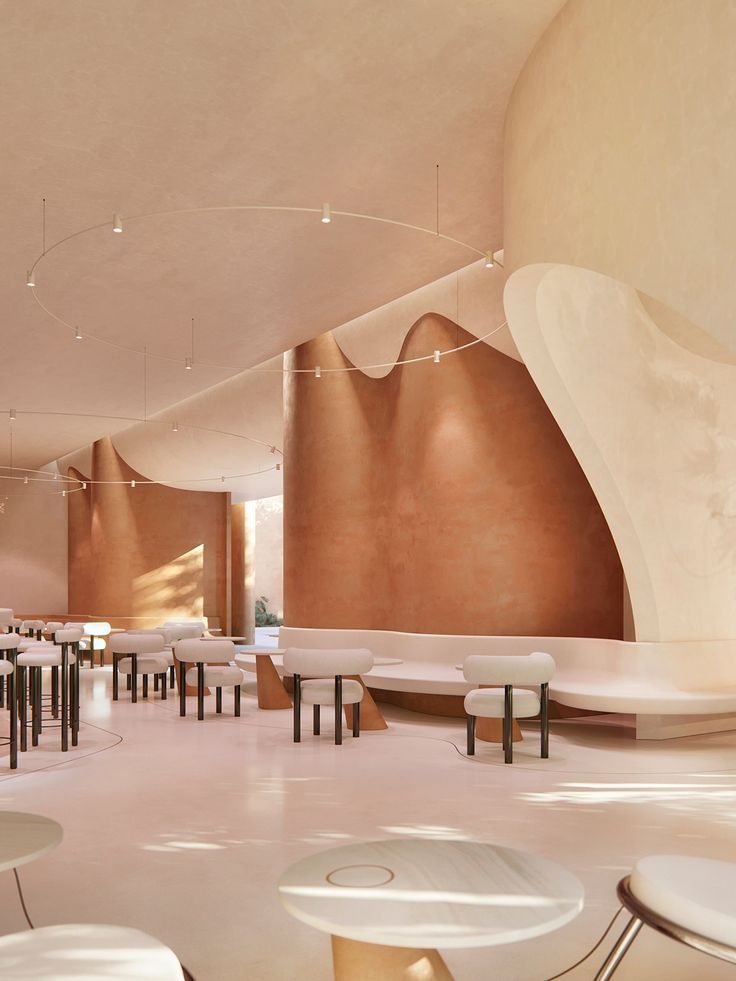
(371,717)
(356,961)
(271,691)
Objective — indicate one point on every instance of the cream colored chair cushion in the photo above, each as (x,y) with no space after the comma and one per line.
(525,669)
(208,651)
(217,676)
(9,642)
(488,703)
(696,893)
(321,691)
(145,664)
(44,656)
(6,667)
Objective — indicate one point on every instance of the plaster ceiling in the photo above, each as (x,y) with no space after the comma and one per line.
(134,107)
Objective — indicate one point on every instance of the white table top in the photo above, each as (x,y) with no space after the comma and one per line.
(74,951)
(277,654)
(415,892)
(26,837)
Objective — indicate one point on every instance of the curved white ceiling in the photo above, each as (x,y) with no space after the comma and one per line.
(174,104)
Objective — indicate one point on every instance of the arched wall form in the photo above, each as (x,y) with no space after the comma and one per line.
(654,426)
(620,150)
(139,553)
(439,499)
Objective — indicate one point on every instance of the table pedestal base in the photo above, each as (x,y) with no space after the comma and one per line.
(491,731)
(371,717)
(271,691)
(356,961)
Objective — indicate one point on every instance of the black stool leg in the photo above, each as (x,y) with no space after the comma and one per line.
(23,703)
(315,719)
(237,701)
(64,699)
(36,689)
(297,708)
(545,721)
(622,945)
(155,683)
(13,705)
(218,700)
(55,692)
(172,676)
(356,719)
(338,710)
(145,686)
(74,672)
(200,690)
(115,678)
(164,693)
(2,692)
(471,735)
(134,677)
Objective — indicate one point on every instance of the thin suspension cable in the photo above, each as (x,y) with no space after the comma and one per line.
(43,226)
(437,200)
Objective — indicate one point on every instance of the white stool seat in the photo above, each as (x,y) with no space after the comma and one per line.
(217,676)
(86,951)
(321,691)
(5,667)
(50,658)
(696,893)
(488,703)
(145,664)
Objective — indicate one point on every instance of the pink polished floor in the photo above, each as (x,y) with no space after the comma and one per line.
(182,828)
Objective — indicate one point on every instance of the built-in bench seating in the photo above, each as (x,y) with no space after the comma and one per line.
(673,688)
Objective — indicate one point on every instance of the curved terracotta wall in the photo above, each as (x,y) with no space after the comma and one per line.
(442,498)
(137,554)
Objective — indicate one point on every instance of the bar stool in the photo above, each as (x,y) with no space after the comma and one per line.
(332,690)
(211,668)
(135,654)
(9,652)
(688,899)
(6,620)
(96,632)
(32,660)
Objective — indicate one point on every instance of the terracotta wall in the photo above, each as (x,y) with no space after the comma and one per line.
(139,554)
(442,498)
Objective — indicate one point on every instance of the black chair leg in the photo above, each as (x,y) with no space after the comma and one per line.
(64,699)
(134,677)
(297,708)
(145,686)
(172,676)
(315,719)
(129,684)
(164,686)
(155,683)
(55,692)
(74,670)
(237,701)
(508,724)
(115,678)
(36,692)
(471,735)
(13,706)
(218,700)
(338,710)
(2,692)
(200,691)
(182,689)
(545,721)
(356,719)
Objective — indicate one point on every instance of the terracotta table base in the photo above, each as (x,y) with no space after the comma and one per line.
(371,717)
(491,731)
(271,691)
(356,961)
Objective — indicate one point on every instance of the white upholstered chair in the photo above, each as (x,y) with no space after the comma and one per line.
(32,628)
(15,624)
(689,899)
(319,679)
(211,667)
(168,637)
(6,619)
(138,654)
(36,656)
(508,702)
(8,654)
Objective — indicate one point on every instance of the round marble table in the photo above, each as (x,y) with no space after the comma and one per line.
(384,901)
(26,837)
(86,951)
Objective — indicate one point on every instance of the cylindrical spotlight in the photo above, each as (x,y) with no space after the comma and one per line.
(326,217)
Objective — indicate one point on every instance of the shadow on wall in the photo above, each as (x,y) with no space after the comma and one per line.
(653,423)
(176,586)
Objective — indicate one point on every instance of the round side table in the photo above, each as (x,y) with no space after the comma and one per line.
(26,837)
(383,902)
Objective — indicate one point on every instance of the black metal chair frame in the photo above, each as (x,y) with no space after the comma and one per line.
(30,691)
(316,712)
(159,679)
(200,666)
(10,654)
(508,724)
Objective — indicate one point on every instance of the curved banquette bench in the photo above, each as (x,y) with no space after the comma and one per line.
(692,679)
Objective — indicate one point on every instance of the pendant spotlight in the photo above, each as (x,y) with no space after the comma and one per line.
(117,223)
(326,216)
(30,279)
